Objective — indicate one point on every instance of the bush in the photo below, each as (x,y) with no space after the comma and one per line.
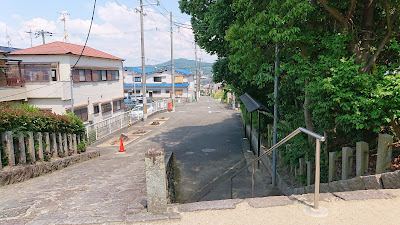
(25,117)
(218,94)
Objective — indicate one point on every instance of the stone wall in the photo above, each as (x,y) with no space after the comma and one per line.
(170,171)
(389,180)
(22,173)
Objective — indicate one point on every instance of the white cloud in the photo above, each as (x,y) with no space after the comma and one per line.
(115,30)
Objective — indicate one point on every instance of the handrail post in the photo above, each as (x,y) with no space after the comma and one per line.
(317,172)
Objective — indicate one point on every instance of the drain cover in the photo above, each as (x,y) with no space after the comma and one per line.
(208,150)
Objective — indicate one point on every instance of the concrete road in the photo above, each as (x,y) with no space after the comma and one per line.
(204,136)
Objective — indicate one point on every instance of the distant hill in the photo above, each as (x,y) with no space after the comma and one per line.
(185,64)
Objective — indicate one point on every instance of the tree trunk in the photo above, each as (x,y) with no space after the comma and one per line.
(308,116)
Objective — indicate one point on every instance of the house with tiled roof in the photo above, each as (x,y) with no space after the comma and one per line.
(97,88)
(159,83)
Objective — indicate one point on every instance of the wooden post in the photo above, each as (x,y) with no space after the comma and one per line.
(70,146)
(75,146)
(347,162)
(31,147)
(332,166)
(40,140)
(54,144)
(48,143)
(65,144)
(384,153)
(361,158)
(308,172)
(302,163)
(269,135)
(60,144)
(21,145)
(9,142)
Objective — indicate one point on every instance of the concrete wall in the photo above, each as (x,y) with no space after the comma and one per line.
(12,94)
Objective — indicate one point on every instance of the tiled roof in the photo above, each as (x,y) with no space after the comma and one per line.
(139,70)
(184,71)
(8,49)
(181,85)
(62,48)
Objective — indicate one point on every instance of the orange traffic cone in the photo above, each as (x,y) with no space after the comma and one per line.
(121,147)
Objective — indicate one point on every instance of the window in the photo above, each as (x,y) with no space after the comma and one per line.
(114,75)
(156,92)
(117,105)
(101,75)
(82,113)
(82,75)
(96,109)
(138,79)
(37,72)
(178,80)
(105,107)
(157,79)
(53,75)
(167,91)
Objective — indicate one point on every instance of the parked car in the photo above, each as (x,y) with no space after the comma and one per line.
(137,111)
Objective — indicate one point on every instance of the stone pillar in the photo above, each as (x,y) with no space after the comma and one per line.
(21,145)
(302,163)
(233,101)
(31,147)
(361,158)
(347,162)
(332,166)
(79,138)
(47,138)
(9,142)
(308,172)
(156,181)
(70,147)
(384,153)
(54,144)
(75,144)
(60,144)
(65,144)
(39,138)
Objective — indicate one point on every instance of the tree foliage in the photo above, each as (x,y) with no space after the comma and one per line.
(339,60)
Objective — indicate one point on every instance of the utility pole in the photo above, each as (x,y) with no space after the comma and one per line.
(198,79)
(30,33)
(71,84)
(143,59)
(274,139)
(172,67)
(197,75)
(43,33)
(63,19)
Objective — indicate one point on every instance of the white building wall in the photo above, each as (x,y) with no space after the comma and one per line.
(57,95)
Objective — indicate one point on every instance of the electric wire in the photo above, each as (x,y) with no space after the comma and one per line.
(87,38)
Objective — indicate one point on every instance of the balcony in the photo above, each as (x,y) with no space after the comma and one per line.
(12,82)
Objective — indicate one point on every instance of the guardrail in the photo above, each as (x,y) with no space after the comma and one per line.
(106,127)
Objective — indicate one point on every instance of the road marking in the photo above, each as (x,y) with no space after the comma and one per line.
(208,150)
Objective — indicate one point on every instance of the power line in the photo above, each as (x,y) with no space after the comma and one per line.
(87,38)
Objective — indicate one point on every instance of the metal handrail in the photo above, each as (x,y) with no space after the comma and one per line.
(318,138)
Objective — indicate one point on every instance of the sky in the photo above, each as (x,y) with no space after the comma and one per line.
(115,29)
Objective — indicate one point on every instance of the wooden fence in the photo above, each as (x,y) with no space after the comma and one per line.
(29,147)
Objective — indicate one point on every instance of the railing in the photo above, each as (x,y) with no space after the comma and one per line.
(318,138)
(106,127)
(12,82)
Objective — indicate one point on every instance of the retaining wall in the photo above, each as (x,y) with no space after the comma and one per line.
(22,173)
